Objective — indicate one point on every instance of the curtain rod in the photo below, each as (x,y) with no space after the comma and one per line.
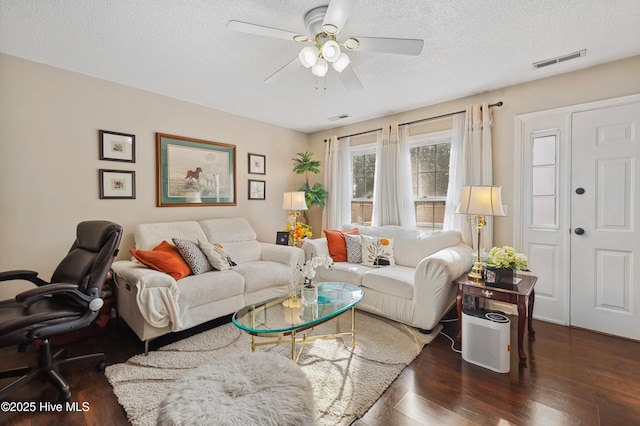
(497,104)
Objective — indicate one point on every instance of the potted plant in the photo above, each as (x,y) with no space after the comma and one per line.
(309,291)
(315,195)
(503,262)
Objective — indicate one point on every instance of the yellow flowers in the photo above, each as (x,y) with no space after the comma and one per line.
(302,230)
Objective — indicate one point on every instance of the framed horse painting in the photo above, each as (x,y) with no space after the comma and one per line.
(194,172)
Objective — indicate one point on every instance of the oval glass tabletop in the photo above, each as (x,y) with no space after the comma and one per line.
(283,315)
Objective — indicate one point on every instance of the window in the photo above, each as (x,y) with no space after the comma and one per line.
(363,169)
(430,154)
(430,175)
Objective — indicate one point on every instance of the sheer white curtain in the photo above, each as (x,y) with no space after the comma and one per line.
(392,187)
(337,181)
(457,177)
(477,158)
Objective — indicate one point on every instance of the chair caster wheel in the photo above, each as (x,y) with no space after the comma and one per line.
(101,365)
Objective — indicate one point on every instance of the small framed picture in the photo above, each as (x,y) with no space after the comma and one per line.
(282,238)
(257,189)
(490,276)
(257,164)
(116,184)
(115,146)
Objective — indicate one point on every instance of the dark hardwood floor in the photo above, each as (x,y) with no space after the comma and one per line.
(572,377)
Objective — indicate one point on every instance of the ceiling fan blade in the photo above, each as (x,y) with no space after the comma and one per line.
(399,46)
(284,71)
(259,30)
(350,79)
(337,14)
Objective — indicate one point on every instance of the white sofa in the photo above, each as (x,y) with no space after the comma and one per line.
(153,303)
(418,289)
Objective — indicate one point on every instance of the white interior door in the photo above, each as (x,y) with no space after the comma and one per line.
(542,215)
(605,220)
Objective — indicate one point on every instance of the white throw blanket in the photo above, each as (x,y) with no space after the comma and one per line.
(157,297)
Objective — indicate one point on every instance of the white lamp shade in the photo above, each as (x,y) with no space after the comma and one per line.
(341,63)
(320,68)
(481,200)
(308,56)
(330,50)
(294,201)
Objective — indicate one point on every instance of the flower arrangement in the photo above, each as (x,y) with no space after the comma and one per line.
(507,258)
(301,230)
(309,268)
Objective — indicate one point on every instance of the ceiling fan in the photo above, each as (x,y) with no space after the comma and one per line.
(324,25)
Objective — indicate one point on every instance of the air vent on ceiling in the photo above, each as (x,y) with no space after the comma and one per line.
(339,117)
(559,59)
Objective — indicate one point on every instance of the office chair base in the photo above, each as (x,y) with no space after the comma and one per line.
(49,369)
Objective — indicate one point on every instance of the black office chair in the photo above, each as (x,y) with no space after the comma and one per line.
(71,301)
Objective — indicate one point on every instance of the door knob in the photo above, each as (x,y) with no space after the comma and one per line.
(579,231)
(579,191)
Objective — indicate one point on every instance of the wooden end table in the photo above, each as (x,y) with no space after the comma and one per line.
(517,294)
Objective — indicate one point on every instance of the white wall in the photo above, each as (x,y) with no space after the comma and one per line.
(49,160)
(606,81)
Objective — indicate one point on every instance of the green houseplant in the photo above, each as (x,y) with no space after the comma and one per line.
(315,195)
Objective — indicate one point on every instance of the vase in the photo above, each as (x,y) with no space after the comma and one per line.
(504,275)
(309,294)
(493,275)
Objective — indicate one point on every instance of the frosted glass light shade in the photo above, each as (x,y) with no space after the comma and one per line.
(330,51)
(481,200)
(341,63)
(308,56)
(320,68)
(294,201)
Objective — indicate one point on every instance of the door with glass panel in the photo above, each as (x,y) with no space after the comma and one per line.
(576,213)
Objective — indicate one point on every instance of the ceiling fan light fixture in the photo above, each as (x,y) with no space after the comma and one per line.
(308,56)
(341,63)
(300,38)
(330,29)
(320,68)
(351,43)
(330,50)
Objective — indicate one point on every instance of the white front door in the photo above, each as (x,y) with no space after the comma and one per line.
(590,279)
(605,220)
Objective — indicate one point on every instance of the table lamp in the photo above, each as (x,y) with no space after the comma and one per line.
(294,202)
(478,201)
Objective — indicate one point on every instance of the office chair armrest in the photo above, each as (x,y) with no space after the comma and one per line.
(34,294)
(26,275)
(71,291)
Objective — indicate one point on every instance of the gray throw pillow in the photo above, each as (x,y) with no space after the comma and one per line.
(354,248)
(192,254)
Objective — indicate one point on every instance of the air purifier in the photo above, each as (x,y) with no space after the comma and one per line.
(486,339)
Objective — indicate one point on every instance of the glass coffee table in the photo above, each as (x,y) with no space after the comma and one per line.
(283,316)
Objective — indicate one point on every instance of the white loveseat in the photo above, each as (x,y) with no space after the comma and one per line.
(418,289)
(153,303)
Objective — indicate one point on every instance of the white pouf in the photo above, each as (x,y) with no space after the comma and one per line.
(249,388)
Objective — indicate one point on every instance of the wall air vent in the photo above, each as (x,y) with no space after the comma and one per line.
(559,59)
(339,117)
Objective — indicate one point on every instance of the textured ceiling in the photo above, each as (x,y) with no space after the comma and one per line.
(182,49)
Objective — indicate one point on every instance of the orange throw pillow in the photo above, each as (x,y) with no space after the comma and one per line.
(164,258)
(337,244)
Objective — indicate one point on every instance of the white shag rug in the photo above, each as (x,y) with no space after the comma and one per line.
(345,382)
(249,388)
